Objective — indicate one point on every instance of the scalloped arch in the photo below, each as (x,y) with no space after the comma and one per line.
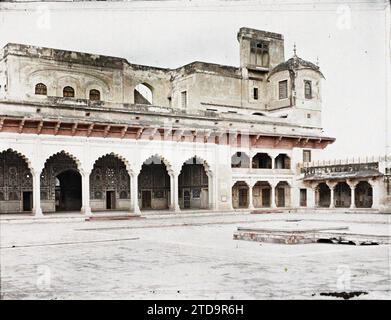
(20,154)
(119,157)
(152,158)
(70,155)
(199,160)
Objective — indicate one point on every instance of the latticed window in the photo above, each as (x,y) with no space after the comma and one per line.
(184,99)
(68,92)
(40,88)
(259,53)
(306,155)
(94,95)
(283,89)
(307,89)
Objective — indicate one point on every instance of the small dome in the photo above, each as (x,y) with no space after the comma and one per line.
(295,63)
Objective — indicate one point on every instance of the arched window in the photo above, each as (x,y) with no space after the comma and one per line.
(94,95)
(307,89)
(142,94)
(40,88)
(68,92)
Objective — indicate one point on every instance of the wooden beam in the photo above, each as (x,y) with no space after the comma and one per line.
(139,133)
(167,132)
(180,134)
(90,128)
(257,138)
(277,142)
(153,133)
(57,127)
(106,131)
(21,125)
(74,128)
(207,135)
(40,126)
(123,131)
(195,133)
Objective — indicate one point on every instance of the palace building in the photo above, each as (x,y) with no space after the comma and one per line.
(87,133)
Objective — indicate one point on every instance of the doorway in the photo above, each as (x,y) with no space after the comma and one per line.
(281,197)
(303,197)
(110,199)
(186,199)
(68,191)
(146,199)
(27,201)
(266,197)
(243,198)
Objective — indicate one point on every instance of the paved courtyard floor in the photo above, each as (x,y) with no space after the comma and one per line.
(188,256)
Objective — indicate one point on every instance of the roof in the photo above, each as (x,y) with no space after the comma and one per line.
(63,55)
(213,68)
(295,63)
(343,175)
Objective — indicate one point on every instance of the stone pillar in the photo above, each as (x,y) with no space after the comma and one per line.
(130,192)
(211,192)
(273,195)
(332,187)
(311,196)
(172,200)
(174,183)
(85,189)
(273,159)
(134,191)
(37,210)
(352,185)
(375,194)
(250,195)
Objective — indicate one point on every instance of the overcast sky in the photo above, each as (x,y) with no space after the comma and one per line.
(348,37)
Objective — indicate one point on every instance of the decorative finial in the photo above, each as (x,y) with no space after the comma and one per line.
(317,61)
(294,49)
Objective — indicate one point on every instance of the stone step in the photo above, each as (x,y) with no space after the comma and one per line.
(113,217)
(266,211)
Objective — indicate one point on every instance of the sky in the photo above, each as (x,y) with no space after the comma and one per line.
(349,38)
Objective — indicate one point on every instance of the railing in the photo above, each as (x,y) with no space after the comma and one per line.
(261,171)
(347,161)
(340,168)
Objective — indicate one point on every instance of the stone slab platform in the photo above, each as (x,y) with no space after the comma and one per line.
(304,236)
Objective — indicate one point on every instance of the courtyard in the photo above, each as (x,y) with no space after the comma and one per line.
(188,256)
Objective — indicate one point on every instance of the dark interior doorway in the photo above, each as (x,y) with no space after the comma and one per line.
(146,199)
(68,191)
(110,199)
(265,197)
(27,201)
(281,197)
(243,197)
(186,199)
(303,197)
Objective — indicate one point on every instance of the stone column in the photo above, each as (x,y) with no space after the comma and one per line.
(311,196)
(273,195)
(332,187)
(273,159)
(375,194)
(211,192)
(134,191)
(352,185)
(37,210)
(85,188)
(172,200)
(174,205)
(250,195)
